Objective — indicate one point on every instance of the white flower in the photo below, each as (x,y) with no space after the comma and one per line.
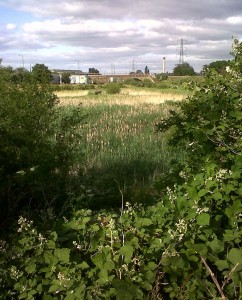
(228,70)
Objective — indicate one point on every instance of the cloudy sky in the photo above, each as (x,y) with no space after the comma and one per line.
(117,35)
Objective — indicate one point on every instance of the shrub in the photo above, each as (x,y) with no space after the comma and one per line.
(134,81)
(113,88)
(35,148)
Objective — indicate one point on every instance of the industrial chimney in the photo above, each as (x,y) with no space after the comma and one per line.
(164,65)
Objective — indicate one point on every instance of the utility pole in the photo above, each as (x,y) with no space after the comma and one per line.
(112,69)
(164,65)
(181,50)
(22,59)
(78,64)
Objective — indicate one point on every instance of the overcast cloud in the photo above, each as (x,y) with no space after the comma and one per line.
(121,33)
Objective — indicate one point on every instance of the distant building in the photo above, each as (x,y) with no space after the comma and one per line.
(79,79)
(55,79)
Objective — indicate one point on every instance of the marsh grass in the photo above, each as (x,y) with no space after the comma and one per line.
(127,96)
(119,146)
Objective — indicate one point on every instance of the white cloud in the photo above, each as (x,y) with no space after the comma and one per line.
(11,26)
(235,20)
(100,31)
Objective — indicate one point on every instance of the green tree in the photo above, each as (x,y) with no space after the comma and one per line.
(183,69)
(41,73)
(20,75)
(7,74)
(36,147)
(65,78)
(208,124)
(147,71)
(219,66)
(93,71)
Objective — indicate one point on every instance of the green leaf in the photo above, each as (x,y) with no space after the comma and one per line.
(217,196)
(202,192)
(127,251)
(83,265)
(63,254)
(49,256)
(152,266)
(99,259)
(203,219)
(54,235)
(222,265)
(216,245)
(53,288)
(142,222)
(79,291)
(235,256)
(31,267)
(70,297)
(201,249)
(86,220)
(125,290)
(109,265)
(47,297)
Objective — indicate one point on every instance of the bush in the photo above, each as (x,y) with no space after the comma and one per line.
(134,81)
(148,83)
(113,88)
(35,148)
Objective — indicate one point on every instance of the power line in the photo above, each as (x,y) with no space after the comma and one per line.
(133,66)
(181,50)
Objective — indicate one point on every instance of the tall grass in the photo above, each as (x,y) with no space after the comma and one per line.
(119,146)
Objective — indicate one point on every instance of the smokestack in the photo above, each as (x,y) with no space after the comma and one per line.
(164,65)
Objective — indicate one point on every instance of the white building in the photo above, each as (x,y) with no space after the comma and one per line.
(79,79)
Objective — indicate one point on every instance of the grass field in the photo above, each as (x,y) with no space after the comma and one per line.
(128,96)
(120,148)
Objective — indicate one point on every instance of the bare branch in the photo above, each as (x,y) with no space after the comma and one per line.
(214,279)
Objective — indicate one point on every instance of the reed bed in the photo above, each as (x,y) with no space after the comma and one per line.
(132,98)
(119,141)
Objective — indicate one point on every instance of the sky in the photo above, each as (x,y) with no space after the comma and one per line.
(117,35)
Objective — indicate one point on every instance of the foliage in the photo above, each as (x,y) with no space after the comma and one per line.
(147,71)
(134,82)
(20,75)
(73,87)
(208,124)
(93,71)
(8,74)
(186,246)
(183,69)
(219,66)
(35,148)
(41,73)
(148,83)
(170,250)
(113,88)
(65,78)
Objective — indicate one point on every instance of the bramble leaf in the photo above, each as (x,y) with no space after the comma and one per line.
(203,219)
